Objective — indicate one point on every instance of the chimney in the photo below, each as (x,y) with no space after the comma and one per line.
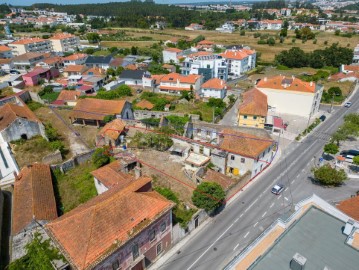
(265,79)
(138,172)
(311,83)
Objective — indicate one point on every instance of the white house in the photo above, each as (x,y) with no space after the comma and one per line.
(175,83)
(239,61)
(26,45)
(227,27)
(271,24)
(290,95)
(171,55)
(215,88)
(64,42)
(8,165)
(75,59)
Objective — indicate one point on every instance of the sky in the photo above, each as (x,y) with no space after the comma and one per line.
(30,2)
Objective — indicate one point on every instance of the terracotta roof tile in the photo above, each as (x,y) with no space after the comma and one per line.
(27,56)
(10,112)
(113,129)
(173,50)
(69,95)
(254,103)
(75,56)
(350,207)
(244,144)
(205,42)
(4,48)
(96,71)
(351,68)
(145,104)
(28,41)
(33,197)
(224,181)
(286,84)
(87,234)
(97,109)
(62,36)
(173,77)
(215,83)
(75,68)
(234,54)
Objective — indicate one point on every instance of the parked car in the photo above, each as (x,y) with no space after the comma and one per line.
(14,71)
(348,104)
(322,118)
(350,152)
(277,189)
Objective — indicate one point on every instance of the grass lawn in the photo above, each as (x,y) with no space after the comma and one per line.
(267,52)
(195,108)
(50,97)
(101,53)
(75,187)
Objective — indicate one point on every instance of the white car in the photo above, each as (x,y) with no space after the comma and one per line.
(348,104)
(277,189)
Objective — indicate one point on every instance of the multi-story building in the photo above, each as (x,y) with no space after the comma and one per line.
(27,61)
(5,52)
(290,95)
(172,55)
(215,88)
(75,59)
(252,112)
(64,43)
(271,24)
(30,45)
(206,64)
(239,61)
(175,83)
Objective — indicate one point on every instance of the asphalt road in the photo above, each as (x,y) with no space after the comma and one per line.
(256,208)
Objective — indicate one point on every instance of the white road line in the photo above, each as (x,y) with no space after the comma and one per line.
(286,198)
(246,235)
(292,182)
(219,237)
(297,176)
(236,220)
(264,213)
(241,215)
(249,207)
(286,189)
(279,197)
(255,224)
(236,246)
(271,205)
(303,170)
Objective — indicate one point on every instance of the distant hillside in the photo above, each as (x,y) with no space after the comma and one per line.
(351,7)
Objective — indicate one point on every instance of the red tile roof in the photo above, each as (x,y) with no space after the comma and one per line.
(145,104)
(4,48)
(224,181)
(91,232)
(113,129)
(33,197)
(111,175)
(351,68)
(10,112)
(27,41)
(244,144)
(286,84)
(97,109)
(75,56)
(173,50)
(254,103)
(69,95)
(62,36)
(205,42)
(234,54)
(173,77)
(75,68)
(96,71)
(215,83)
(350,207)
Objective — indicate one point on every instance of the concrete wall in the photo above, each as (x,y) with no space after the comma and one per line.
(7,166)
(36,97)
(127,112)
(249,121)
(19,127)
(52,158)
(100,188)
(71,163)
(142,114)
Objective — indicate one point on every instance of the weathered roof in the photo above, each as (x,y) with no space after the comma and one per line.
(27,41)
(4,48)
(75,68)
(173,50)
(69,95)
(173,77)
(27,56)
(215,83)
(99,59)
(97,109)
(93,230)
(113,129)
(145,104)
(132,74)
(62,36)
(75,57)
(33,197)
(286,84)
(350,207)
(224,181)
(244,144)
(254,103)
(10,112)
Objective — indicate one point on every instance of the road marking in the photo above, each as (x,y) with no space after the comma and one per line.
(312,159)
(264,213)
(286,189)
(236,246)
(236,220)
(255,224)
(297,176)
(271,205)
(249,207)
(200,257)
(241,215)
(246,235)
(303,170)
(279,197)
(292,182)
(286,198)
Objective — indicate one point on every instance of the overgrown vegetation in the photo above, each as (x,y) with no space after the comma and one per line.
(47,94)
(160,142)
(54,138)
(328,176)
(181,214)
(309,129)
(350,128)
(101,156)
(157,100)
(33,105)
(118,93)
(208,196)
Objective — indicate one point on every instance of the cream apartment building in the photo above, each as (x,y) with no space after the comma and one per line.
(26,45)
(64,42)
(290,95)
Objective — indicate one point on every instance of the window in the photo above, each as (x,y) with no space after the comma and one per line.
(159,248)
(115,265)
(163,226)
(245,116)
(152,235)
(135,251)
(243,160)
(254,117)
(232,157)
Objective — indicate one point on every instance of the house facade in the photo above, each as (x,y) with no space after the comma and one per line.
(112,134)
(239,61)
(75,59)
(35,76)
(253,110)
(8,165)
(214,88)
(172,55)
(99,61)
(27,60)
(37,45)
(131,227)
(175,83)
(64,42)
(5,52)
(290,95)
(19,122)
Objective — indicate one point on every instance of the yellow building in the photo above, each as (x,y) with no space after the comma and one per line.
(253,110)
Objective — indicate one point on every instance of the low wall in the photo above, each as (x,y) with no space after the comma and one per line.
(36,97)
(143,114)
(71,163)
(52,158)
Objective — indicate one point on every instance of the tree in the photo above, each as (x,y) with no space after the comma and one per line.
(101,157)
(335,91)
(331,148)
(242,32)
(111,72)
(93,37)
(356,160)
(39,255)
(329,176)
(208,196)
(271,41)
(108,118)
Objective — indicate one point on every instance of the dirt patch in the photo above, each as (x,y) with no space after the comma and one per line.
(164,162)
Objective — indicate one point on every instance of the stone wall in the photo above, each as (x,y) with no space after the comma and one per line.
(71,163)
(52,158)
(143,114)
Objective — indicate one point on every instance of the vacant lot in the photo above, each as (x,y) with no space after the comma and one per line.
(267,52)
(75,187)
(200,108)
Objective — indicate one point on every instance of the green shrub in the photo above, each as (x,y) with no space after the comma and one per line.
(168,194)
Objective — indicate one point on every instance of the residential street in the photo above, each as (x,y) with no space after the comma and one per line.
(256,208)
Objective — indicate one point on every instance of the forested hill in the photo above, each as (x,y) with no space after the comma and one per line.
(143,14)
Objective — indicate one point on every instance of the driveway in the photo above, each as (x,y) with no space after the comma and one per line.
(230,118)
